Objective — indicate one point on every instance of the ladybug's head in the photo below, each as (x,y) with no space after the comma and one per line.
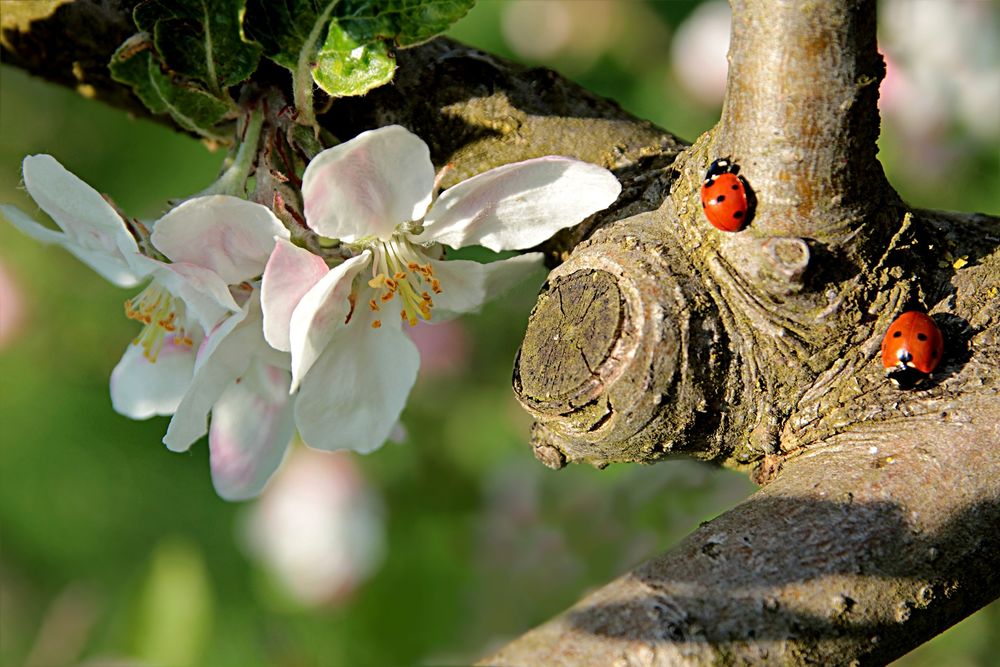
(721,166)
(904,376)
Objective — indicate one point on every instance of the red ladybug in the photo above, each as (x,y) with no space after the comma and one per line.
(725,196)
(912,348)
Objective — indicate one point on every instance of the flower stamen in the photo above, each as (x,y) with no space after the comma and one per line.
(162,315)
(413,284)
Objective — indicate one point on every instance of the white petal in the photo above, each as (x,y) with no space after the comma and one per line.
(77,208)
(228,235)
(519,205)
(225,355)
(321,313)
(110,264)
(252,423)
(466,285)
(30,226)
(368,185)
(141,389)
(289,274)
(203,292)
(356,390)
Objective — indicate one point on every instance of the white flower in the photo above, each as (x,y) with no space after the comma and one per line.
(351,363)
(215,245)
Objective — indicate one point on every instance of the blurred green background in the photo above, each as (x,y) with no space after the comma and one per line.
(116,551)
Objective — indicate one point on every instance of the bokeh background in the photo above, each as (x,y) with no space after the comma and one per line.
(117,552)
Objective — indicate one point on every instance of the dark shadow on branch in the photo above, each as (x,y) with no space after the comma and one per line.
(685,606)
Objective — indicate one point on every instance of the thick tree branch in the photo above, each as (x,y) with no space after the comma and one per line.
(857,553)
(803,120)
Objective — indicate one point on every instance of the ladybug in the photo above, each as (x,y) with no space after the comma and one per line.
(912,348)
(726,196)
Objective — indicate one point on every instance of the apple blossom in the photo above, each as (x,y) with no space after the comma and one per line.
(202,347)
(217,245)
(351,363)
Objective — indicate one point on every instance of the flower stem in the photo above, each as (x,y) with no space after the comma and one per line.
(233,180)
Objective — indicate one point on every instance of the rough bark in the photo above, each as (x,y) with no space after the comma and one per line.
(659,335)
(858,552)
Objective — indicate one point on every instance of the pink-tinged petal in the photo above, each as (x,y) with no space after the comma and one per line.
(141,389)
(519,205)
(466,285)
(224,356)
(290,273)
(77,208)
(203,292)
(225,234)
(368,185)
(321,313)
(252,424)
(357,389)
(106,259)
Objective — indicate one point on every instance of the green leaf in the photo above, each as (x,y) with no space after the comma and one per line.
(201,39)
(404,22)
(346,67)
(191,107)
(345,46)
(283,27)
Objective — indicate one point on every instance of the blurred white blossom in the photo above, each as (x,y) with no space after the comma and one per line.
(318,527)
(577,32)
(943,65)
(12,307)
(699,52)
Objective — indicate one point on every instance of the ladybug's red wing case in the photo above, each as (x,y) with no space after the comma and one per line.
(724,197)
(912,347)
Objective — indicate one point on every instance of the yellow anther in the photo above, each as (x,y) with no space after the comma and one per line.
(373,304)
(399,275)
(377,324)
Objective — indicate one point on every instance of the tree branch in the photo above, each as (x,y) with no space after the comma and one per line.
(857,553)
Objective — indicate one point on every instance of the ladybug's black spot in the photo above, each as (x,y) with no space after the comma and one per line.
(921,337)
(736,187)
(897,334)
(933,354)
(720,199)
(738,214)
